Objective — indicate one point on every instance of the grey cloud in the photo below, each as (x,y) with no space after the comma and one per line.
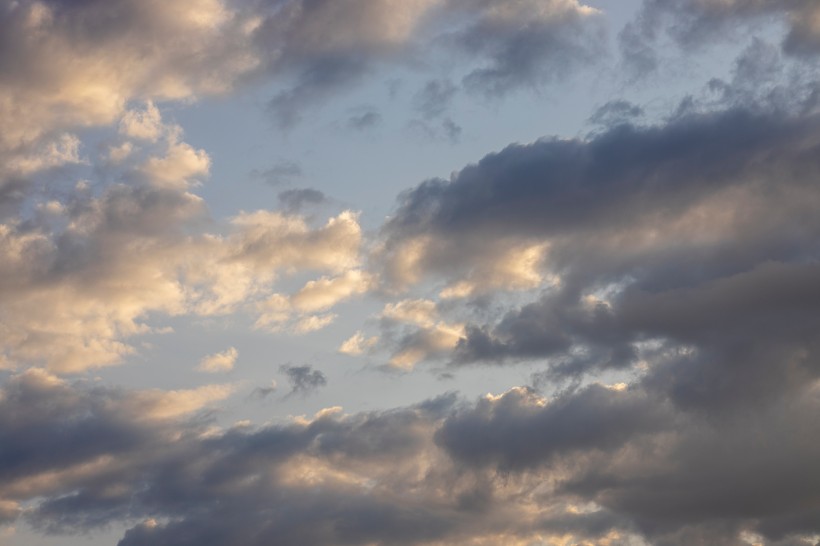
(691,245)
(441,472)
(434,98)
(295,200)
(695,22)
(516,431)
(324,49)
(452,130)
(316,82)
(281,173)
(264,392)
(313,49)
(616,112)
(677,477)
(525,44)
(303,379)
(365,120)
(718,470)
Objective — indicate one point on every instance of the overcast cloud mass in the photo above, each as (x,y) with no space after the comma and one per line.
(410,272)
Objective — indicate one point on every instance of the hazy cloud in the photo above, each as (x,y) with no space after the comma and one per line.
(281,173)
(303,380)
(295,200)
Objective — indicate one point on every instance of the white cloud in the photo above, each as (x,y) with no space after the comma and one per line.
(142,124)
(326,292)
(219,362)
(357,344)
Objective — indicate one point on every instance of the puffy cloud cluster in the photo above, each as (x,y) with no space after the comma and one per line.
(376,478)
(602,465)
(681,257)
(82,275)
(70,65)
(633,213)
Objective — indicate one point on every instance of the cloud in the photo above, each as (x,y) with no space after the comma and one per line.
(219,362)
(303,379)
(281,173)
(693,23)
(434,98)
(596,418)
(142,124)
(413,331)
(616,112)
(525,43)
(326,292)
(645,235)
(264,392)
(516,45)
(367,119)
(68,65)
(357,344)
(605,463)
(84,273)
(295,200)
(294,312)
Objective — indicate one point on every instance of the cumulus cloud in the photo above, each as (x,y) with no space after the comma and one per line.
(82,276)
(298,312)
(411,331)
(678,247)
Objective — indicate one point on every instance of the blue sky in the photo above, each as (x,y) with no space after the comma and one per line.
(419,272)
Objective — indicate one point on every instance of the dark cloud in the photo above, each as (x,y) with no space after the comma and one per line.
(510,467)
(303,380)
(616,112)
(691,245)
(517,430)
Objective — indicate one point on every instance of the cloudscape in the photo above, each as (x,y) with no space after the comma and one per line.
(409,272)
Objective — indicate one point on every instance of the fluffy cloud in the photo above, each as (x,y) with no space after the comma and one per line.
(413,331)
(705,199)
(82,275)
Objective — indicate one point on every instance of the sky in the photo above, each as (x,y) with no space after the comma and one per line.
(409,272)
